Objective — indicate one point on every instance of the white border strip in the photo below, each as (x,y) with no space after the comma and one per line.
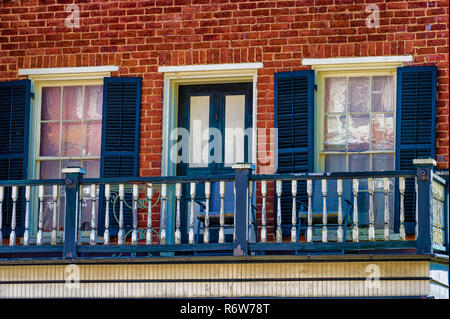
(373,59)
(87,69)
(210,67)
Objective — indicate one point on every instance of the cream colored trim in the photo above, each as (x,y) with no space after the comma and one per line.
(52,71)
(358,60)
(210,67)
(207,74)
(226,279)
(424,161)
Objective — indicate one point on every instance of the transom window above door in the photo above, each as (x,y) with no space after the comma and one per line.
(358,123)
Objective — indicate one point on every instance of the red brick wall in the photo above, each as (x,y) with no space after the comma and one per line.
(139,36)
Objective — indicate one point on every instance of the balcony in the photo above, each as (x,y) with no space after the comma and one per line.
(184,219)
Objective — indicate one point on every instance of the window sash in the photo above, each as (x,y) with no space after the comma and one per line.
(320,114)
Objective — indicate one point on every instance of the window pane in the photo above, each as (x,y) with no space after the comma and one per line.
(335,163)
(71,139)
(382,132)
(335,132)
(199,124)
(234,129)
(378,203)
(92,138)
(51,103)
(335,94)
(358,132)
(383,162)
(93,102)
(382,94)
(92,168)
(49,139)
(72,103)
(359,94)
(359,163)
(49,170)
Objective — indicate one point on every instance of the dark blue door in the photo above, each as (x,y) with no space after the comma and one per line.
(216,120)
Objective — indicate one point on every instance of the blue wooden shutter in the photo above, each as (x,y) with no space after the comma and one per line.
(14,136)
(294,119)
(120,140)
(416,127)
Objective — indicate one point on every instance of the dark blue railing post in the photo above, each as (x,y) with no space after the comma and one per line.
(241,184)
(73,177)
(424,206)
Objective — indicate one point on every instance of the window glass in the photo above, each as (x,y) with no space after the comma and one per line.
(70,135)
(358,119)
(234,129)
(359,94)
(199,128)
(335,95)
(359,135)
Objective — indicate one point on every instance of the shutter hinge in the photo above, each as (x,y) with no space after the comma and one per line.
(32,95)
(315,87)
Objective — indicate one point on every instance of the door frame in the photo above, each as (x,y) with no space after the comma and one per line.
(198,74)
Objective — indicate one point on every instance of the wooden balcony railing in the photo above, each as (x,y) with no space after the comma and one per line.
(187,216)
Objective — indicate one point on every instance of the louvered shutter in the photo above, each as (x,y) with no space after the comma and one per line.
(14,136)
(120,141)
(294,119)
(416,127)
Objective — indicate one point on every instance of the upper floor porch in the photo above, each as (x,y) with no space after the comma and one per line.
(240,214)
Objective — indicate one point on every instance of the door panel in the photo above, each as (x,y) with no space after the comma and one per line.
(216,117)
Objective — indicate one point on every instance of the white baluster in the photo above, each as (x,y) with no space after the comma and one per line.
(107,198)
(2,195)
(309,231)
(149,235)
(324,212)
(121,234)
(163,214)
(340,232)
(249,208)
(26,233)
(178,214)
(371,214)
(355,229)
(416,230)
(93,235)
(12,235)
(279,233)
(263,213)
(386,208)
(294,211)
(41,215)
(222,212)
(134,233)
(55,213)
(192,215)
(402,210)
(207,197)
